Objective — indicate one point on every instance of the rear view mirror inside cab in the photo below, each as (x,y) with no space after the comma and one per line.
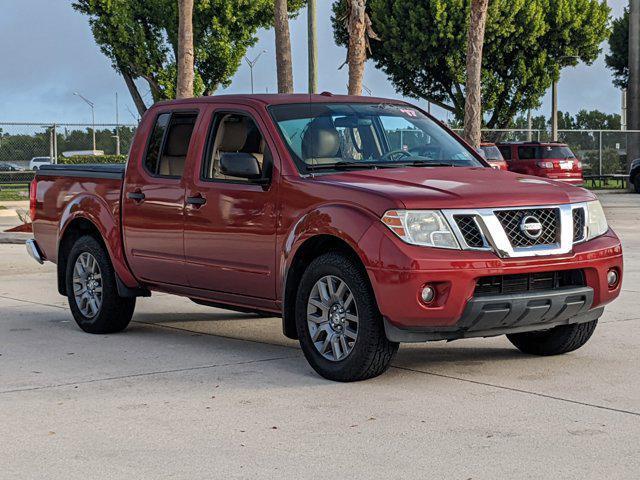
(352,122)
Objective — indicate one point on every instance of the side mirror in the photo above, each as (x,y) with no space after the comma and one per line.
(242,165)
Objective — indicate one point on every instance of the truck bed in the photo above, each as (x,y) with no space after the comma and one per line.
(63,190)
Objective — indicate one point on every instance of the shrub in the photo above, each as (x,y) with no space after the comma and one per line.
(84,159)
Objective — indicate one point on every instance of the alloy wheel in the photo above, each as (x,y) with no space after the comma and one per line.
(332,318)
(87,285)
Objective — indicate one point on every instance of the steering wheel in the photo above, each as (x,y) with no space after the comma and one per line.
(391,153)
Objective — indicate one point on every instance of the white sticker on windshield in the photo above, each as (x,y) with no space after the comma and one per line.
(409,112)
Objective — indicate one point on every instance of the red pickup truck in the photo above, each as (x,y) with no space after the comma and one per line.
(362,222)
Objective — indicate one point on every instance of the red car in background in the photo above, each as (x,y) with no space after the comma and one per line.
(552,160)
(491,153)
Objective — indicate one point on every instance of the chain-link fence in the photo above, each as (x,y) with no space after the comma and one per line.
(603,152)
(22,142)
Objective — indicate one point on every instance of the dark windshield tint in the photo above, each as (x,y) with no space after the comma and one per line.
(355,134)
(492,153)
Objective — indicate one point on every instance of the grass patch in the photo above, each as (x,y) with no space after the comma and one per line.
(13,195)
(605,184)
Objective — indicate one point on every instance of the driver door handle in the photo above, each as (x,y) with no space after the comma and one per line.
(137,196)
(197,200)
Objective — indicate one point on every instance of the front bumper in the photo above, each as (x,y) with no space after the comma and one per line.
(399,271)
(501,314)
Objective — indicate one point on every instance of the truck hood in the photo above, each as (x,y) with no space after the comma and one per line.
(448,187)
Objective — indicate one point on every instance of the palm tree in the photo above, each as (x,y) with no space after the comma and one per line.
(184,88)
(473,102)
(283,47)
(360,31)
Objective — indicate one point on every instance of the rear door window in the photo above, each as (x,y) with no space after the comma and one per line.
(526,153)
(506,152)
(169,144)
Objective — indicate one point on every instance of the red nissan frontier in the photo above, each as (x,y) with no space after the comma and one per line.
(362,222)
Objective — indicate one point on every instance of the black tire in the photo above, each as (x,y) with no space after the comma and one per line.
(636,183)
(556,341)
(115,312)
(372,352)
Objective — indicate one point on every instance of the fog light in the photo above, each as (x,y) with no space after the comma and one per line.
(612,277)
(428,294)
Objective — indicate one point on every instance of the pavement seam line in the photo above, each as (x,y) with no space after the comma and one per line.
(519,390)
(171,327)
(144,374)
(32,302)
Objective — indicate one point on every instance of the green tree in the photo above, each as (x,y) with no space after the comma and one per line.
(527,42)
(140,37)
(618,58)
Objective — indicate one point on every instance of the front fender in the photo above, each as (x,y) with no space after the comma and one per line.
(106,220)
(346,222)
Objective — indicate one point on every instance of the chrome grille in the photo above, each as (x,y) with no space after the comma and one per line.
(578,224)
(470,230)
(549,218)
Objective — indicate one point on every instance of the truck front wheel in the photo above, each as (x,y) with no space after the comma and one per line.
(338,322)
(92,291)
(556,341)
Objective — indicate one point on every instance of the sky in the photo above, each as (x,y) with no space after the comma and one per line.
(47,53)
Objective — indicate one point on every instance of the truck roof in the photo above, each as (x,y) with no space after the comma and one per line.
(279,99)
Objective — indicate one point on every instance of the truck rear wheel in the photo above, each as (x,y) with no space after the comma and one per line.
(556,341)
(92,291)
(338,322)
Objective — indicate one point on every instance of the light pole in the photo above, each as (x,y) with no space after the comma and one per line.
(117,135)
(252,63)
(93,117)
(554,99)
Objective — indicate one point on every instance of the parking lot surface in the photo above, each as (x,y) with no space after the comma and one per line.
(196,392)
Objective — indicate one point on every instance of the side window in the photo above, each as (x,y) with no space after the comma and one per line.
(526,153)
(155,143)
(169,144)
(506,152)
(235,133)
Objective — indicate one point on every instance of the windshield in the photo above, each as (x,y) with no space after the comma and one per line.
(492,153)
(555,152)
(357,135)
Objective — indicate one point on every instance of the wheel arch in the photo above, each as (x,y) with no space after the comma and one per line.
(74,229)
(310,249)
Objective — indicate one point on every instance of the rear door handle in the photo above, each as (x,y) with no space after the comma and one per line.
(196,201)
(137,196)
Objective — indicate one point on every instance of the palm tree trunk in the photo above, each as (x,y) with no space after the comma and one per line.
(473,103)
(357,49)
(633,90)
(284,65)
(184,87)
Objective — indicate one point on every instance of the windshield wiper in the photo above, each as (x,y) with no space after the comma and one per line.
(427,163)
(341,166)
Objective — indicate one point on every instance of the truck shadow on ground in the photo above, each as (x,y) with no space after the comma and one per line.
(245,327)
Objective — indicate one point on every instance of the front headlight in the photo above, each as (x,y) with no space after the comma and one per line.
(596,221)
(427,228)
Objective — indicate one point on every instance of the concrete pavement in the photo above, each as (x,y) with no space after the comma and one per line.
(195,392)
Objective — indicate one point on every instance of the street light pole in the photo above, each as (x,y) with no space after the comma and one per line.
(554,111)
(117,135)
(252,63)
(93,117)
